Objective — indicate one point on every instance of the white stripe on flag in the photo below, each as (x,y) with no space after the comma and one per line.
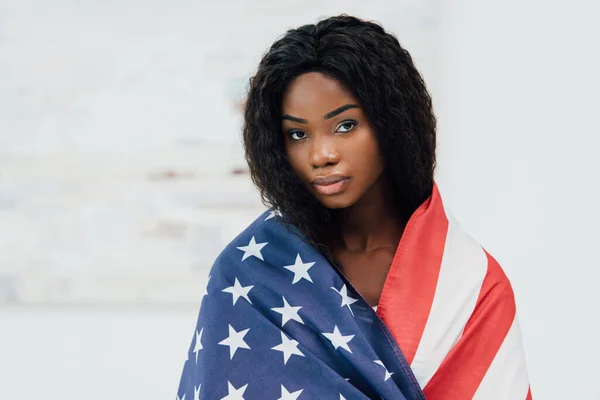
(463,269)
(506,378)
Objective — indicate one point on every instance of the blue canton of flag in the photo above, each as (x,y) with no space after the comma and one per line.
(278,321)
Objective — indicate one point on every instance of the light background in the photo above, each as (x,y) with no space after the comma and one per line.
(102,249)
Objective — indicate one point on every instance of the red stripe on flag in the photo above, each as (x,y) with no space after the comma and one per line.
(410,286)
(529,395)
(463,369)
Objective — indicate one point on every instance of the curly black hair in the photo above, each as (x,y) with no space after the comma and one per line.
(380,73)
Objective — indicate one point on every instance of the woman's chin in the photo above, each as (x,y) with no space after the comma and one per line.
(336,202)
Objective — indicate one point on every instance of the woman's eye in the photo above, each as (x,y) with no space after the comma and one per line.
(297,135)
(346,126)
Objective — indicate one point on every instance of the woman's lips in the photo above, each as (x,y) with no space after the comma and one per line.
(330,185)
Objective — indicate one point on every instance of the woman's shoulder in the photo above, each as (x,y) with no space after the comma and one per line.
(265,258)
(253,245)
(495,285)
(477,265)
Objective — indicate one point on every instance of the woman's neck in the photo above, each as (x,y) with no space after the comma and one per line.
(372,223)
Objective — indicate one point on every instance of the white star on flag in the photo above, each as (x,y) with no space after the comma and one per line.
(300,270)
(205,288)
(342,397)
(388,375)
(235,341)
(238,291)
(285,395)
(288,347)
(181,398)
(346,300)
(253,249)
(288,312)
(233,393)
(338,340)
(273,214)
(198,344)
(197,392)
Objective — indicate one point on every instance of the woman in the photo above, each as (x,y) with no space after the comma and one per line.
(357,284)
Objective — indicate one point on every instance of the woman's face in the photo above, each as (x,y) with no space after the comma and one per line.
(328,140)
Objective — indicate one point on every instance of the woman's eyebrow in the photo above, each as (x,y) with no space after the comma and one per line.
(329,115)
(294,119)
(339,110)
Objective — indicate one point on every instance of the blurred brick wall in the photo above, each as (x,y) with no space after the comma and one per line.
(119,138)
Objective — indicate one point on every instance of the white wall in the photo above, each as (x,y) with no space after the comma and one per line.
(93,354)
(514,83)
(97,98)
(519,163)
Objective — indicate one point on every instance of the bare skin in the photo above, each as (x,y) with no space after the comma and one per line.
(333,149)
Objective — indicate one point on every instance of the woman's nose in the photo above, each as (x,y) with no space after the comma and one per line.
(323,153)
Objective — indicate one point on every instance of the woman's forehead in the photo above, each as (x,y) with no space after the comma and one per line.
(315,93)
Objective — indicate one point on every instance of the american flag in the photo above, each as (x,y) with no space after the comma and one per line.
(277,321)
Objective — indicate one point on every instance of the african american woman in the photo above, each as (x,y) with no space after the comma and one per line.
(357,283)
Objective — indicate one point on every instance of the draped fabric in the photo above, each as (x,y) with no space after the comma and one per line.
(278,321)
(451,309)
